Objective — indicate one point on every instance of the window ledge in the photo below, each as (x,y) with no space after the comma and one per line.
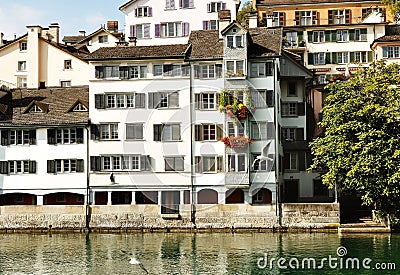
(235,77)
(171,216)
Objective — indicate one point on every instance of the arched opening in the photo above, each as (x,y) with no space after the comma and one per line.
(263,196)
(63,198)
(147,197)
(17,199)
(234,196)
(207,196)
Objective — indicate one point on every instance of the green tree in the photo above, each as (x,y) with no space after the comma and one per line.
(360,145)
(394,7)
(243,14)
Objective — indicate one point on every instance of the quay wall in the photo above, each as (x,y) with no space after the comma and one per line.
(148,217)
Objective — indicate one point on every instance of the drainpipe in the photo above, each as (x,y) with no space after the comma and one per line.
(192,157)
(87,208)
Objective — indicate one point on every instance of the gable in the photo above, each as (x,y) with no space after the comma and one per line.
(79,106)
(36,107)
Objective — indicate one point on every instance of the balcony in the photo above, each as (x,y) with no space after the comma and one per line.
(237,179)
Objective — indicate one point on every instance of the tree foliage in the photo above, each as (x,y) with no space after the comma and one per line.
(243,14)
(394,7)
(360,145)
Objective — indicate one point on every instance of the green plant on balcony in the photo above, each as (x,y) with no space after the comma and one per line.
(230,104)
(238,142)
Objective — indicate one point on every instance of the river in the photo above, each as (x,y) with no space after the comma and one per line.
(200,253)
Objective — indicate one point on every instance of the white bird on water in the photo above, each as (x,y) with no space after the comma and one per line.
(264,154)
(134,261)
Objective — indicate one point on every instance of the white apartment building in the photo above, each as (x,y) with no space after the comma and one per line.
(161,22)
(43,152)
(38,60)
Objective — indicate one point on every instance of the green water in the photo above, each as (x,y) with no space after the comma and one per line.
(201,253)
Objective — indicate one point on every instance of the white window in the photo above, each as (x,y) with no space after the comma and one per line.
(235,129)
(143,31)
(339,17)
(134,131)
(169,4)
(164,100)
(391,51)
(261,69)
(173,29)
(360,34)
(21,166)
(186,3)
(66,136)
(361,57)
(292,39)
(207,71)
(235,68)
(125,163)
(215,6)
(35,109)
(234,41)
(103,39)
(318,36)
(289,134)
(237,163)
(65,83)
(305,18)
(319,58)
(259,130)
(167,132)
(262,165)
(21,65)
(208,101)
(68,64)
(209,164)
(22,82)
(209,132)
(342,35)
(109,131)
(66,165)
(278,19)
(174,163)
(23,46)
(143,12)
(210,25)
(289,109)
(80,108)
(343,57)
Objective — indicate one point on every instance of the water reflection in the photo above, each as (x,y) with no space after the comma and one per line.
(184,253)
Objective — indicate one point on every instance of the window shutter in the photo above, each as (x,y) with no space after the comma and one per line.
(197,164)
(208,7)
(176,132)
(224,6)
(300,109)
(330,17)
(334,58)
(32,167)
(327,36)
(297,18)
(80,166)
(146,32)
(351,35)
(369,56)
(198,132)
(157,32)
(191,3)
(51,168)
(136,13)
(315,18)
(310,59)
(4,138)
(205,25)
(196,71)
(4,167)
(218,70)
(328,58)
(220,131)
(347,16)
(310,36)
(302,160)
(197,101)
(299,133)
(157,128)
(300,36)
(99,100)
(144,163)
(149,11)
(270,130)
(95,163)
(51,136)
(282,20)
(151,100)
(154,100)
(180,4)
(352,56)
(140,100)
(79,135)
(32,137)
(94,132)
(333,36)
(173,99)
(286,161)
(185,30)
(384,55)
(132,31)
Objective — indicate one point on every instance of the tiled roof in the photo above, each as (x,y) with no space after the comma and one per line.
(77,52)
(73,38)
(206,45)
(392,33)
(265,42)
(56,101)
(316,2)
(139,52)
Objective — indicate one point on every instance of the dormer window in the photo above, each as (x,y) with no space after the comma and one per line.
(79,108)
(68,64)
(35,109)
(234,41)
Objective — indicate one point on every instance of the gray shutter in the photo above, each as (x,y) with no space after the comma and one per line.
(300,109)
(32,137)
(79,135)
(330,17)
(4,167)
(145,163)
(4,138)
(157,30)
(299,133)
(94,132)
(173,100)
(191,3)
(198,129)
(197,164)
(197,101)
(51,167)
(310,59)
(146,31)
(130,131)
(99,100)
(270,130)
(327,36)
(220,131)
(301,160)
(80,166)
(154,100)
(140,100)
(270,98)
(157,132)
(32,167)
(51,136)
(196,69)
(95,163)
(176,132)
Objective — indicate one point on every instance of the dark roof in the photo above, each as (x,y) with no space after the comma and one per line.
(78,52)
(126,4)
(392,33)
(139,52)
(265,42)
(73,38)
(315,2)
(206,45)
(7,43)
(55,102)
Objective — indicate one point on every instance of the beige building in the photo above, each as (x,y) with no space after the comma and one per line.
(38,60)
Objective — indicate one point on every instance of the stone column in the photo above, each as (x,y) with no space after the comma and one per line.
(133,202)
(159,198)
(221,198)
(39,200)
(248,199)
(182,197)
(109,201)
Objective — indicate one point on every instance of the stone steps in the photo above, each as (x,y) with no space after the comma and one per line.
(365,226)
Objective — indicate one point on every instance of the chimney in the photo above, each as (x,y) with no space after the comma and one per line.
(112,26)
(82,33)
(1,39)
(224,19)
(253,19)
(54,31)
(132,41)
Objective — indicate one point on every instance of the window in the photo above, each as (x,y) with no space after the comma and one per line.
(292,39)
(342,35)
(208,101)
(103,39)
(21,65)
(343,57)
(210,25)
(18,137)
(209,164)
(107,72)
(360,34)
(170,4)
(318,36)
(133,72)
(361,57)
(18,167)
(261,69)
(262,98)
(234,41)
(80,108)
(164,100)
(65,83)
(237,163)
(142,31)
(120,101)
(278,19)
(293,165)
(235,129)
(67,64)
(305,18)
(65,136)
(339,17)
(35,109)
(23,46)
(235,68)
(292,89)
(216,6)
(208,132)
(22,82)
(134,131)
(171,70)
(109,131)
(68,165)
(174,163)
(173,29)
(186,4)
(391,51)
(289,109)
(167,132)
(259,130)
(206,71)
(143,12)
(263,165)
(319,58)
(289,134)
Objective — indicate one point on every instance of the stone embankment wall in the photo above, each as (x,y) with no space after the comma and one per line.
(148,217)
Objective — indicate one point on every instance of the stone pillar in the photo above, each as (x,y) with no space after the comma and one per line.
(182,197)
(85,202)
(221,197)
(159,198)
(39,200)
(248,199)
(133,202)
(92,197)
(109,201)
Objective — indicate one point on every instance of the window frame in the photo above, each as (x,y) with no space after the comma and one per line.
(110,130)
